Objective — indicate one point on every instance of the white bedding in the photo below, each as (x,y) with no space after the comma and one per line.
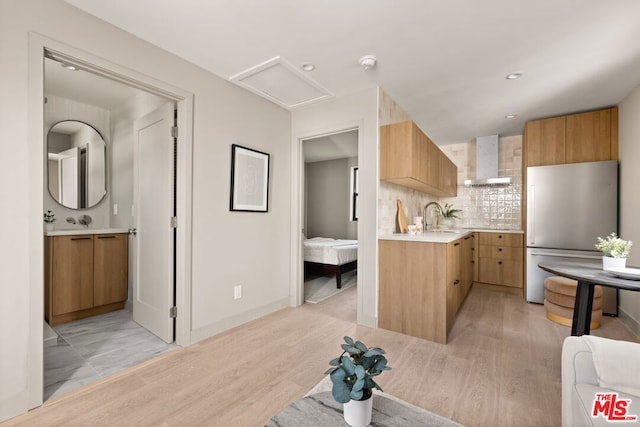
(325,250)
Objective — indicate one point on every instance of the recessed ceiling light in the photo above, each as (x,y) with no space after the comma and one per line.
(308,67)
(513,76)
(69,67)
(510,116)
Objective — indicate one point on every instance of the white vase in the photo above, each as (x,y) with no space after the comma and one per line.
(611,262)
(357,413)
(48,226)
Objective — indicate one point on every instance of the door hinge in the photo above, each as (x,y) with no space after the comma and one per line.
(174,131)
(173,312)
(174,222)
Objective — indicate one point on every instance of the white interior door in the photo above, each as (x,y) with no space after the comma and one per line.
(154,193)
(69,166)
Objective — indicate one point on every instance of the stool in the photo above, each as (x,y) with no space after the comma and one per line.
(559,300)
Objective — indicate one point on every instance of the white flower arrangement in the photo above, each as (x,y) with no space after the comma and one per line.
(613,246)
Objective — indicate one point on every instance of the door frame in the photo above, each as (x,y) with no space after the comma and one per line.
(184,104)
(297,205)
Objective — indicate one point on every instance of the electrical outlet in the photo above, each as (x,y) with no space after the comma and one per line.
(237,292)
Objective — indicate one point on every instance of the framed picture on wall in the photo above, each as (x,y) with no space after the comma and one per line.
(249,180)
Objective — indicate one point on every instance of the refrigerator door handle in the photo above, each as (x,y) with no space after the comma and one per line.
(532,215)
(558,254)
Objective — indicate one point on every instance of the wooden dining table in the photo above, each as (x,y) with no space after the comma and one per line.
(587,275)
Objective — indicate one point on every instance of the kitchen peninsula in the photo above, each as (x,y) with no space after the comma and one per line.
(425,278)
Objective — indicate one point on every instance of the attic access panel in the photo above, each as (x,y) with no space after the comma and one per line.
(282,83)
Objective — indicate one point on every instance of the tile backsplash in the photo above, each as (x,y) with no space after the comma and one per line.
(482,207)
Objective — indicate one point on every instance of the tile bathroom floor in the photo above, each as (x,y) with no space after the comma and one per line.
(90,349)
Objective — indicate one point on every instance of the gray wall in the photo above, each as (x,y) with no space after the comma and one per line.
(629,155)
(328,194)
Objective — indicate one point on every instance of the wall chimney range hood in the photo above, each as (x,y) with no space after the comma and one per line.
(487,164)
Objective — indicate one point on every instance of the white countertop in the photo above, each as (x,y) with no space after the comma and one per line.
(442,236)
(79,231)
(429,237)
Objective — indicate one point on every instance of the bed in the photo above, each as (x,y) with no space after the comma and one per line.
(324,255)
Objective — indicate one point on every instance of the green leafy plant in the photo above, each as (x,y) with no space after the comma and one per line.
(352,376)
(49,217)
(613,246)
(449,211)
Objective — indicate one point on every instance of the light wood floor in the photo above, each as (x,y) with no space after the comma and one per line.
(500,368)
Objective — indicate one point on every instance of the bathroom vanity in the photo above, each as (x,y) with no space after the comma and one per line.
(86,273)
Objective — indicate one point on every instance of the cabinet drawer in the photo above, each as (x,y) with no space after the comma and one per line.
(501,272)
(502,239)
(501,252)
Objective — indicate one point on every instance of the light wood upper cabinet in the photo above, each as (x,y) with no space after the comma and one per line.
(409,158)
(589,136)
(85,275)
(575,138)
(545,141)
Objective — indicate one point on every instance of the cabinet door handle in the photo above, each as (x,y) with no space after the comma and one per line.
(467,238)
(456,244)
(106,237)
(81,238)
(455,282)
(499,236)
(473,262)
(499,249)
(499,262)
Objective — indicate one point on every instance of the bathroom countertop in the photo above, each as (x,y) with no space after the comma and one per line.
(80,231)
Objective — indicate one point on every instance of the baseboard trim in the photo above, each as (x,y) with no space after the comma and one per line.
(632,323)
(213,329)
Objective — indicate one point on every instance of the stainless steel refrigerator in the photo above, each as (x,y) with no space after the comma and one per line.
(568,207)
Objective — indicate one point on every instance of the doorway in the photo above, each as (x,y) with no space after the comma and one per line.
(116,100)
(329,219)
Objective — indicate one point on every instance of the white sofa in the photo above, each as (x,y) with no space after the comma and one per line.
(592,365)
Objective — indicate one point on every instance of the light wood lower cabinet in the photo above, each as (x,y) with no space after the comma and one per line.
(422,286)
(85,275)
(501,259)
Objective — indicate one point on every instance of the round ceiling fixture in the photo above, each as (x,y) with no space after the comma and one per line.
(513,76)
(368,62)
(69,67)
(510,116)
(308,66)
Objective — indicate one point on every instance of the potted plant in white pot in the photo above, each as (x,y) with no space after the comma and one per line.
(449,215)
(352,379)
(615,251)
(49,219)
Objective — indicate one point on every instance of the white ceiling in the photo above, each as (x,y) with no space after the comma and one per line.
(85,87)
(444,62)
(331,147)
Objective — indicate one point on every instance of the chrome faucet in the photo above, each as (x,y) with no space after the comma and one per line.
(425,211)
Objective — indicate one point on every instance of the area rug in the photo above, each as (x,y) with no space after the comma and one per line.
(321,288)
(319,408)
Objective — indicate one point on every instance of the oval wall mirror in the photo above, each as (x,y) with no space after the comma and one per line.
(76,169)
